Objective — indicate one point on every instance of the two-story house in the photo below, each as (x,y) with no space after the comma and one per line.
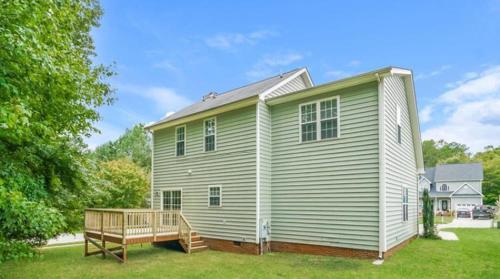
(283,165)
(453,186)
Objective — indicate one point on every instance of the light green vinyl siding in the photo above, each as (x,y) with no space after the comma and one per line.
(265,161)
(400,164)
(326,192)
(232,166)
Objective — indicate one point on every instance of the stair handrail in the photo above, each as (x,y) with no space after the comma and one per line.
(185,236)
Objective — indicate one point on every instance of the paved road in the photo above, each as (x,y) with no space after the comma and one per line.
(66,238)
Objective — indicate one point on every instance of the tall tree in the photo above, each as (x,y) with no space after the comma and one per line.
(444,152)
(134,144)
(49,91)
(490,158)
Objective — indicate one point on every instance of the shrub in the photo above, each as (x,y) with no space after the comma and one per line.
(428,216)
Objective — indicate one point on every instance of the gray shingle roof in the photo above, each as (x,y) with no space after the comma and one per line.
(238,94)
(455,172)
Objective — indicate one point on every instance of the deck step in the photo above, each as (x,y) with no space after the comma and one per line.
(197,243)
(199,248)
(195,238)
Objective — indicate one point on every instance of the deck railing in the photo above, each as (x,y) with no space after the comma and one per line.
(134,222)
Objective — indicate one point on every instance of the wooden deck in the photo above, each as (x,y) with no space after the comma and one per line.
(133,226)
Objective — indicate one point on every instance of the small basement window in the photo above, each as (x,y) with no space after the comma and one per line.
(214,196)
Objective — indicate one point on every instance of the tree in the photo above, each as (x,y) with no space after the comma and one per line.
(428,216)
(444,152)
(122,184)
(49,92)
(490,159)
(135,144)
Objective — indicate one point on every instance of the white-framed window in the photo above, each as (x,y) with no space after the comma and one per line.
(444,187)
(180,140)
(171,199)
(319,120)
(398,123)
(404,196)
(214,196)
(209,134)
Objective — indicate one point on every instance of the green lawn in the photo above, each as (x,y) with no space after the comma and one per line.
(476,255)
(439,219)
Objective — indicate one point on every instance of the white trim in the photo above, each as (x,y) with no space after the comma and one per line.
(185,140)
(318,118)
(152,168)
(381,150)
(470,186)
(215,133)
(169,190)
(257,174)
(220,196)
(264,94)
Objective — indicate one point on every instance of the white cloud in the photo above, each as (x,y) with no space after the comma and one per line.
(168,114)
(271,63)
(433,73)
(109,132)
(471,111)
(485,83)
(227,41)
(164,99)
(425,114)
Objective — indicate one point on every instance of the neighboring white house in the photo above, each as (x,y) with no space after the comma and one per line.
(453,186)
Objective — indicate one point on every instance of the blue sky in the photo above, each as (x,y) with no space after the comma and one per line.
(168,55)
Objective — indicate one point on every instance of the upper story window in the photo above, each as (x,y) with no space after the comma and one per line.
(444,187)
(398,122)
(404,195)
(180,140)
(319,120)
(210,129)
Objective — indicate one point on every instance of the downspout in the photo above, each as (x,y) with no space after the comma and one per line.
(257,176)
(152,168)
(381,148)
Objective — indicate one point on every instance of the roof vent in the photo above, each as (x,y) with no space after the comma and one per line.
(210,96)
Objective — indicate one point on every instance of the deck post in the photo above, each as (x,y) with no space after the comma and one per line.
(154,226)
(124,229)
(86,247)
(103,243)
(102,225)
(124,252)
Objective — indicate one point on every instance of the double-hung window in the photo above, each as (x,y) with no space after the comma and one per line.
(214,196)
(210,129)
(398,123)
(319,120)
(404,194)
(180,141)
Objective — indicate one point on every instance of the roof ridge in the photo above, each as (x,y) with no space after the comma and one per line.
(259,81)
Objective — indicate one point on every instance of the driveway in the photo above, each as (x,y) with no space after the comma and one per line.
(466,223)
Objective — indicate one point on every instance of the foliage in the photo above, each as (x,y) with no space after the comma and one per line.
(444,152)
(49,92)
(122,184)
(24,224)
(428,216)
(135,144)
(490,159)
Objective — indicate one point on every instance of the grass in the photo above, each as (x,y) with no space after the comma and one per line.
(474,256)
(439,219)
